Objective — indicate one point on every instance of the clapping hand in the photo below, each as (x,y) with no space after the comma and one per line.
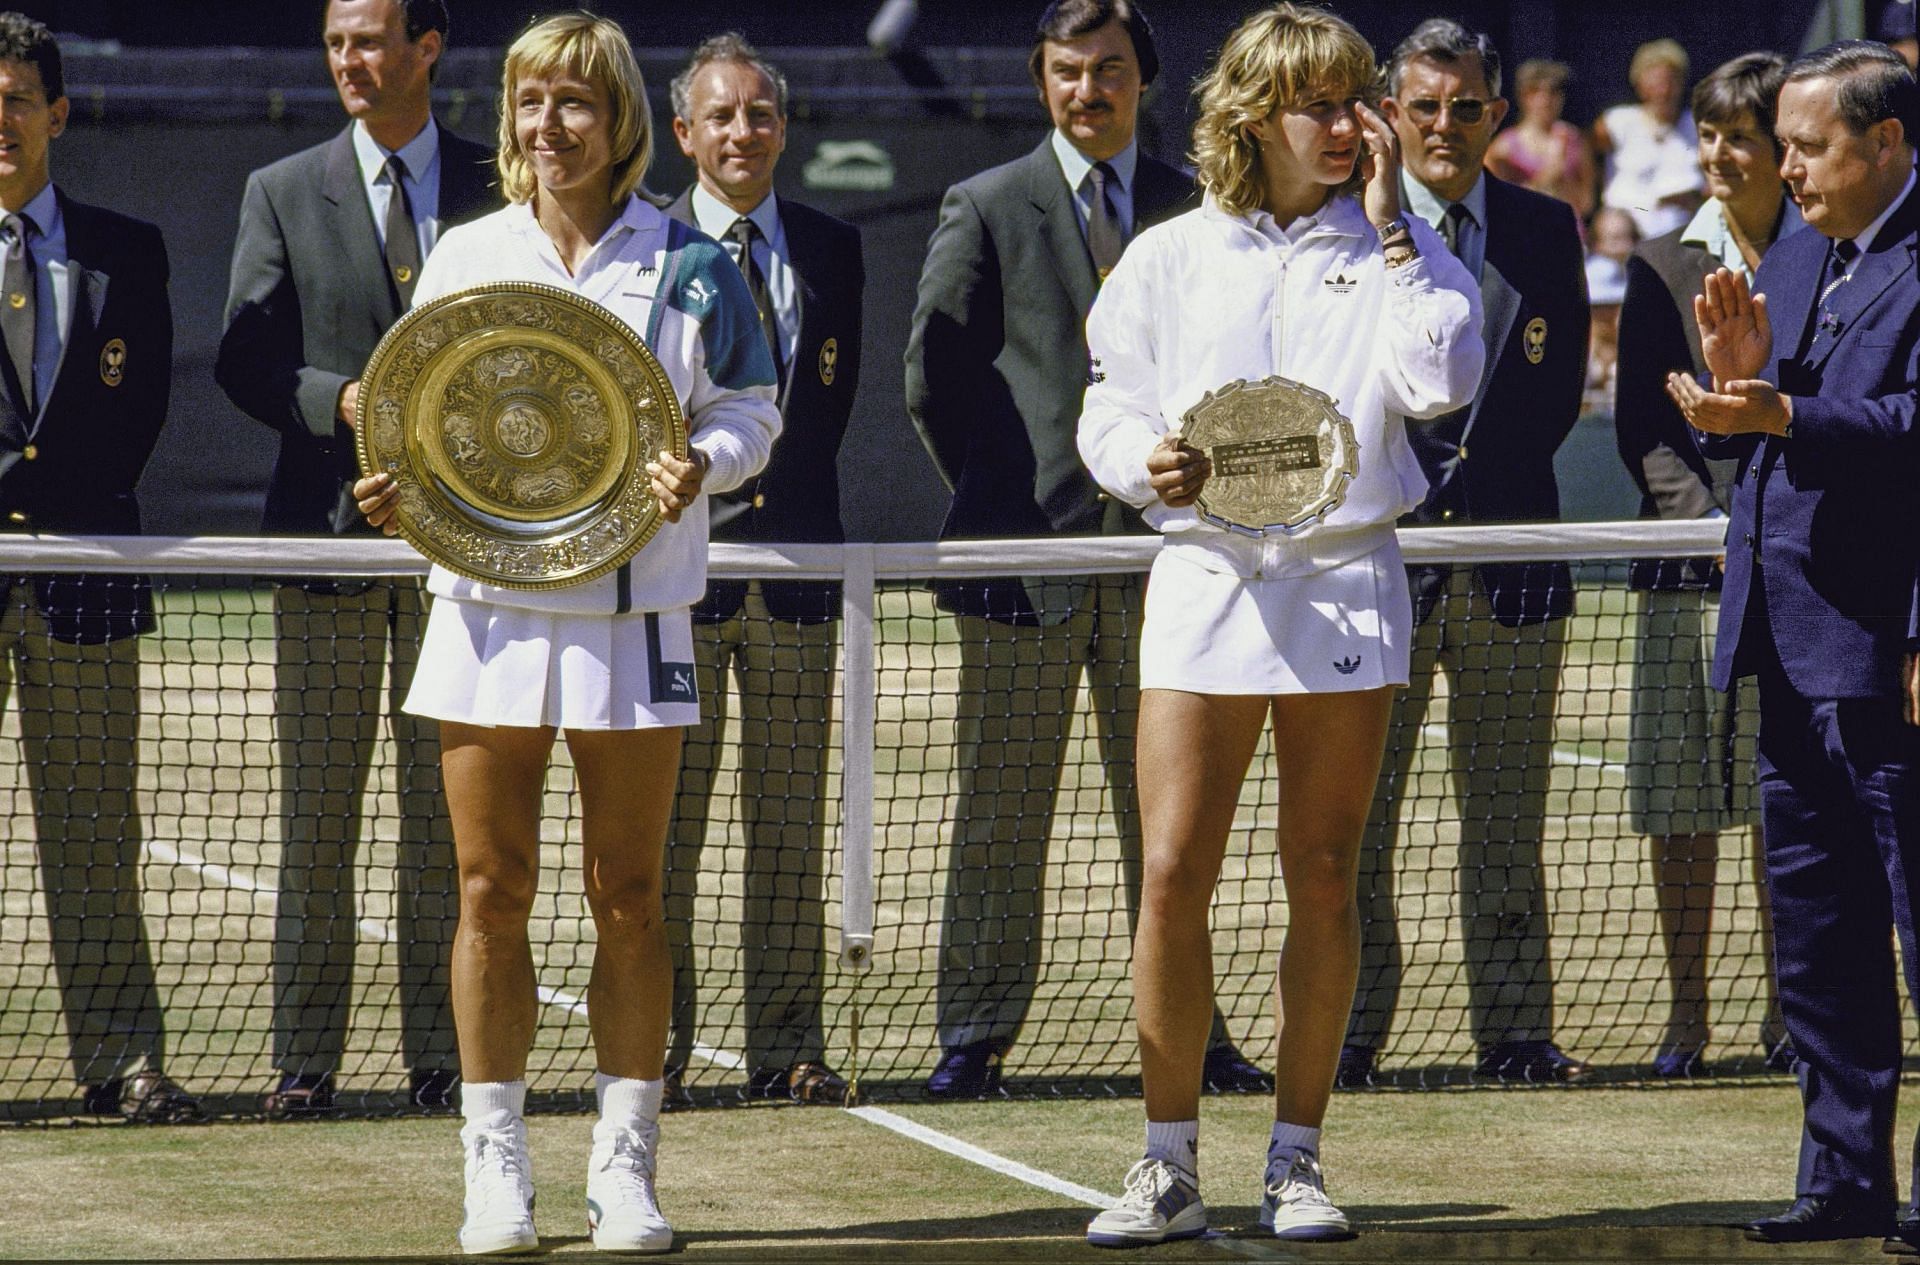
(1735,334)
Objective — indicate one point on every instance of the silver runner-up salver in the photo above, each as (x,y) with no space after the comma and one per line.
(1282,454)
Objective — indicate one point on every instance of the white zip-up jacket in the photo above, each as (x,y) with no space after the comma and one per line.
(679,291)
(1210,297)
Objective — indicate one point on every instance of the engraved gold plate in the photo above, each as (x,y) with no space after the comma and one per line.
(1282,454)
(518,420)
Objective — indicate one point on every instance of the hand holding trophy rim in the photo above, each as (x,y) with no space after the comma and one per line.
(1282,455)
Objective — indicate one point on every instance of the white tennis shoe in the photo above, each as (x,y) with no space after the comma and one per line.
(1159,1204)
(622,1213)
(499,1187)
(1296,1204)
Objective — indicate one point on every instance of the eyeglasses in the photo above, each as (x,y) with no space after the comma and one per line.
(1467,110)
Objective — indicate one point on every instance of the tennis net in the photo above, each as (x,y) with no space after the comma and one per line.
(938,852)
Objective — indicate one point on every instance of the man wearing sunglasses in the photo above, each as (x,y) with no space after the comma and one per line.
(1497,631)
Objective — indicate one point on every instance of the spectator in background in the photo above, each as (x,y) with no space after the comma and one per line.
(1497,631)
(84,373)
(996,370)
(1690,767)
(1896,29)
(329,250)
(1652,172)
(776,640)
(1542,151)
(1610,240)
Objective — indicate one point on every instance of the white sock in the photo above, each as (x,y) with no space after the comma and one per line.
(1289,1138)
(480,1099)
(622,1098)
(1176,1142)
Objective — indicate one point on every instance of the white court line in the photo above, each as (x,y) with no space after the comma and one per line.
(1035,1177)
(985,1159)
(1561,755)
(167,854)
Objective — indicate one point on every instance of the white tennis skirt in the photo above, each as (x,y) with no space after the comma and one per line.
(1349,627)
(485,664)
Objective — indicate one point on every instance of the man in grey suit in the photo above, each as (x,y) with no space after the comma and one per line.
(330,245)
(996,367)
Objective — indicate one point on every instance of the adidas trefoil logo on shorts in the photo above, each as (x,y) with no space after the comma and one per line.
(1347,666)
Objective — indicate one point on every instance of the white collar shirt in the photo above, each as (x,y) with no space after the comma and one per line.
(1709,231)
(1431,207)
(421,157)
(53,292)
(1075,166)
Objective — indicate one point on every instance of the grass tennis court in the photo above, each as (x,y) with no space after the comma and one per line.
(1523,1175)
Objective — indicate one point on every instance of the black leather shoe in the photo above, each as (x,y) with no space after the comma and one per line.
(148,1098)
(300,1097)
(1227,1071)
(674,1094)
(966,1071)
(1821,1218)
(1905,1238)
(1530,1062)
(433,1089)
(1356,1067)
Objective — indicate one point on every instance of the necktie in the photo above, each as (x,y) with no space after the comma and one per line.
(1451,225)
(1841,254)
(1105,241)
(16,310)
(742,235)
(403,237)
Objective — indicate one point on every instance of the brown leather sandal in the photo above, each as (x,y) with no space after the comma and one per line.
(816,1084)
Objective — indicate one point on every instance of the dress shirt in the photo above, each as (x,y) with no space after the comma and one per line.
(1432,208)
(421,155)
(1865,240)
(52,292)
(1075,165)
(715,218)
(1708,230)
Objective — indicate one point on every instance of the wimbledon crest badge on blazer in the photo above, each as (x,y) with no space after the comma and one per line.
(1534,339)
(829,361)
(113,362)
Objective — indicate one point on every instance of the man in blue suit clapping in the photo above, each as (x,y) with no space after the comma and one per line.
(1813,388)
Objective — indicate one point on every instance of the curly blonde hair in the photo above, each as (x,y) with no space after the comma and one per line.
(1274,58)
(595,49)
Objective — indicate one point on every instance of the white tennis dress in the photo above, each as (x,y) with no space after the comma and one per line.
(616,652)
(1210,297)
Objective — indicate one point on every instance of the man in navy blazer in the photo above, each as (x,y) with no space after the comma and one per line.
(1497,632)
(1812,383)
(775,640)
(85,369)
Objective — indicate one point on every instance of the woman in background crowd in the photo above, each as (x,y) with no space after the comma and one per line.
(1690,767)
(1652,172)
(1542,151)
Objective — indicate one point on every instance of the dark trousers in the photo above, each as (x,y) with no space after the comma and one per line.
(333,686)
(1840,806)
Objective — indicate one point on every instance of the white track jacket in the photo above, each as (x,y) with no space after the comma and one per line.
(1209,297)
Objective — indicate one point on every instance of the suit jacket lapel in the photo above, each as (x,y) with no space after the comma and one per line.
(89,293)
(1499,300)
(1877,270)
(801,258)
(1060,227)
(352,222)
(464,182)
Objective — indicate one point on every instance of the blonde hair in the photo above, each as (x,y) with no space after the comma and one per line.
(1274,58)
(1660,52)
(596,49)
